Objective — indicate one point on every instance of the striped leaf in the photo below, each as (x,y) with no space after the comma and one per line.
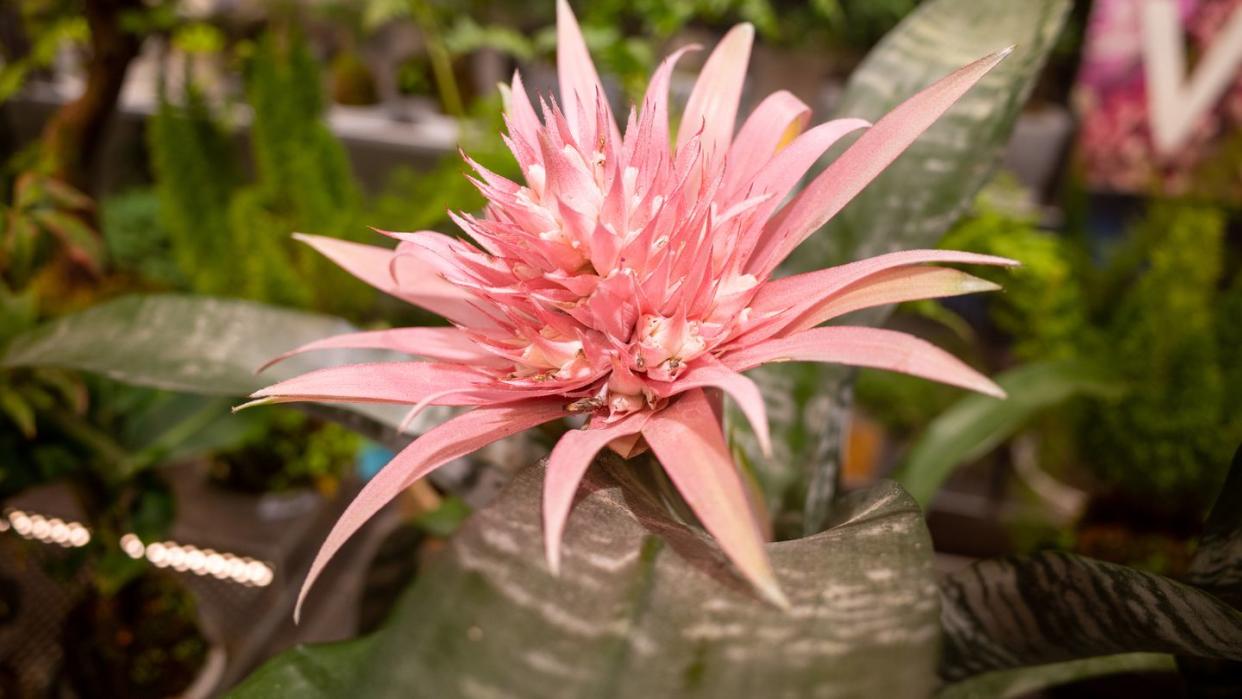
(1217,568)
(1217,565)
(1053,607)
(645,607)
(917,198)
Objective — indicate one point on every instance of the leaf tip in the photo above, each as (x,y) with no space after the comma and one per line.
(554,560)
(771,592)
(254,403)
(992,389)
(971,284)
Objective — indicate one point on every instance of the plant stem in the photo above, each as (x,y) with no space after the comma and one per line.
(74,135)
(437,53)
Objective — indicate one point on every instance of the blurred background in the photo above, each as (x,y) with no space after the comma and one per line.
(151,543)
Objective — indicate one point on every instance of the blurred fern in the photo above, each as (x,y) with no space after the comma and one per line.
(231,238)
(1171,434)
(1155,315)
(195,177)
(1159,315)
(1043,306)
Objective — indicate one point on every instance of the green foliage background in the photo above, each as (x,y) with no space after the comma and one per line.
(1157,309)
(231,237)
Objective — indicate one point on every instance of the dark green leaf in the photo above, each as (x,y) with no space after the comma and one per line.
(317,672)
(977,424)
(1052,607)
(1021,682)
(17,409)
(647,607)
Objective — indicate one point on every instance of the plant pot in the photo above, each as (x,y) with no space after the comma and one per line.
(144,642)
(1132,532)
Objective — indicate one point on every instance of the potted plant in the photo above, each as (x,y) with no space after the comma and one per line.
(644,602)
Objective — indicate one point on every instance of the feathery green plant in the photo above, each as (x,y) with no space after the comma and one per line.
(302,182)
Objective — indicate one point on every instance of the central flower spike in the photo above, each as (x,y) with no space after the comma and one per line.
(628,276)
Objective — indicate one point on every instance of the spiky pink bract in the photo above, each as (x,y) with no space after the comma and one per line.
(626,277)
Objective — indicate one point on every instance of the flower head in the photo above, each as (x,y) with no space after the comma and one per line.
(629,277)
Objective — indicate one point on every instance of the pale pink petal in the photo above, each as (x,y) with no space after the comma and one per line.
(789,165)
(384,382)
(569,460)
(651,138)
(686,438)
(438,344)
(866,347)
(425,402)
(709,372)
(786,169)
(776,122)
(420,286)
(875,150)
(712,106)
(581,92)
(453,439)
(521,115)
(896,285)
(781,302)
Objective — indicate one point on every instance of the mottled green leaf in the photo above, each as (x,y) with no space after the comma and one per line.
(1053,607)
(977,424)
(923,193)
(1021,682)
(919,196)
(193,344)
(646,607)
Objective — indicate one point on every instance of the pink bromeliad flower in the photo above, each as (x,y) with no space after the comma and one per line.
(629,280)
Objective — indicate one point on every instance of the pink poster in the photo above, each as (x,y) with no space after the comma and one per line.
(1159,96)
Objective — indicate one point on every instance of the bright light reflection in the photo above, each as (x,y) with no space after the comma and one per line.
(161,554)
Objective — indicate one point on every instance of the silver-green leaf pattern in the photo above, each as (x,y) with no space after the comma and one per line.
(1052,607)
(648,607)
(196,344)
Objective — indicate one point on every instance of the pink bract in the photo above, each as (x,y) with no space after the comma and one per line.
(628,276)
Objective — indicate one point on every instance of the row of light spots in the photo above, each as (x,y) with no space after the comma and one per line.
(184,557)
(162,554)
(49,530)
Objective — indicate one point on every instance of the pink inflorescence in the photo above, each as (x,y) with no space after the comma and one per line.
(628,279)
